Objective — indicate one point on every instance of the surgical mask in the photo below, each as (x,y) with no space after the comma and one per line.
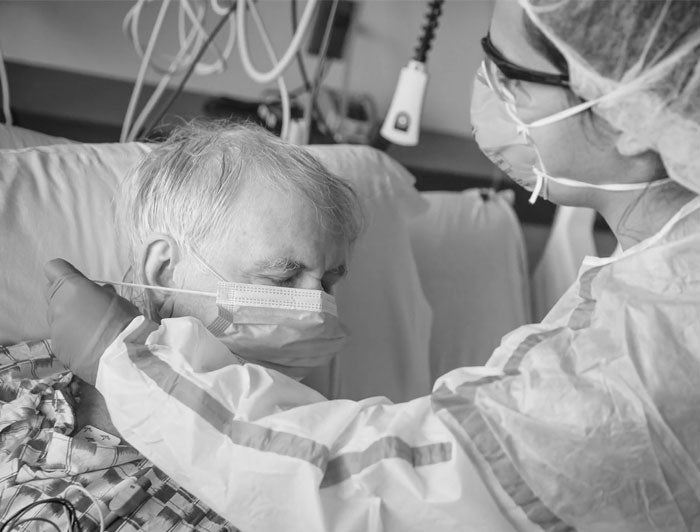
(505,139)
(291,330)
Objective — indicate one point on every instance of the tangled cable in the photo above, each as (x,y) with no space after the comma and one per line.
(193,42)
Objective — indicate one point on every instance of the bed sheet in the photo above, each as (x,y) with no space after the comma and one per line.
(40,457)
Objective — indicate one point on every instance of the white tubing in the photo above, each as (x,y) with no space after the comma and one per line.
(142,72)
(279,67)
(5,87)
(284,93)
(158,92)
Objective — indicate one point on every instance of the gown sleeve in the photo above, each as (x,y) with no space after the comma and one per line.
(268,453)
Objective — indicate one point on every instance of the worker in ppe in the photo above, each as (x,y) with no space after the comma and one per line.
(586,421)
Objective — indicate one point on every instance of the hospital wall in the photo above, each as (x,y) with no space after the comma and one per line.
(86,36)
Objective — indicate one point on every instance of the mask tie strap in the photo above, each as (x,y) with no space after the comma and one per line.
(157,288)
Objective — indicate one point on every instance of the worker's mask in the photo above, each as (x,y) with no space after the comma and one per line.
(291,330)
(505,139)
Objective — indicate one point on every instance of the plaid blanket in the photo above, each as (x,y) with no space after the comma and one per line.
(43,454)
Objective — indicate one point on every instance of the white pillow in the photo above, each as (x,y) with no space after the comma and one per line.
(13,137)
(56,201)
(470,252)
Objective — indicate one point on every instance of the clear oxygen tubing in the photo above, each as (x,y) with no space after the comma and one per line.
(5,87)
(289,54)
(130,27)
(126,126)
(160,88)
(189,46)
(320,65)
(284,93)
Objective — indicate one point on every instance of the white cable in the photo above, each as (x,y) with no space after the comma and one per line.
(318,74)
(219,65)
(130,27)
(288,56)
(142,71)
(5,87)
(203,68)
(158,92)
(284,93)
(94,500)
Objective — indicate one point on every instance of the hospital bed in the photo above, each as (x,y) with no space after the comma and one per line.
(435,281)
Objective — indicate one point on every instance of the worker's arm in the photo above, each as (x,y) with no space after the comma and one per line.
(269,453)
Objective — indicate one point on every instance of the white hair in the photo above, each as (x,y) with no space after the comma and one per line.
(186,186)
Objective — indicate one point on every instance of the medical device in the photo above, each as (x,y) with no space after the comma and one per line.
(402,122)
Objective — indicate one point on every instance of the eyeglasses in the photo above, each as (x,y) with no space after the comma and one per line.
(513,71)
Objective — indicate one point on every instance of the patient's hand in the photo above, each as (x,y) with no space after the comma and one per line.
(92,410)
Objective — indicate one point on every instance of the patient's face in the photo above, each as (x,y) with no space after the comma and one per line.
(276,239)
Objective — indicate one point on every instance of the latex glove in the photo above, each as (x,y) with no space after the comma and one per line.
(84,317)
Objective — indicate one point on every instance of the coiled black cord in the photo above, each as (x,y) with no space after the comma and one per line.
(431,24)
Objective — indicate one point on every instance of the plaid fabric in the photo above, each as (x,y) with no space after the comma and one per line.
(42,456)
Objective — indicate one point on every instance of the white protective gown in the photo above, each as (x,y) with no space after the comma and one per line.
(589,420)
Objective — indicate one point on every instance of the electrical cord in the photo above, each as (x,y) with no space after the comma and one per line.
(5,87)
(426,38)
(157,93)
(300,59)
(284,93)
(130,27)
(126,126)
(289,54)
(74,525)
(164,109)
(323,55)
(40,519)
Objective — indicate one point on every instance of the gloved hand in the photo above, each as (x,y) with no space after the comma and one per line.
(85,318)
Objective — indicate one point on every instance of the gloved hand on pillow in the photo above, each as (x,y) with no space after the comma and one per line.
(84,317)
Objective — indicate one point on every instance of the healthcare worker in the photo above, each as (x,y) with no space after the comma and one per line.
(587,421)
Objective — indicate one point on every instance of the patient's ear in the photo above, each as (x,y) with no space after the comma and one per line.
(159,256)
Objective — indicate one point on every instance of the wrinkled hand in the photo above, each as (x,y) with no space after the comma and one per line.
(84,317)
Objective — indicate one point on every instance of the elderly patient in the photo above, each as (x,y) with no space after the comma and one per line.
(220,221)
(215,206)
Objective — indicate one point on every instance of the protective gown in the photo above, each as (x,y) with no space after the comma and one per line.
(587,421)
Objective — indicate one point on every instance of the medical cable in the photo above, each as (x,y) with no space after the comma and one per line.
(320,65)
(73,523)
(193,39)
(39,519)
(284,93)
(130,27)
(126,126)
(5,87)
(94,500)
(426,39)
(289,54)
(300,59)
(157,93)
(164,109)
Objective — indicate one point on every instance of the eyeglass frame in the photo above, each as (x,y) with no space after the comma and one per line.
(516,72)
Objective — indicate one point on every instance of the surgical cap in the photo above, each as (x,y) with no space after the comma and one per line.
(648,52)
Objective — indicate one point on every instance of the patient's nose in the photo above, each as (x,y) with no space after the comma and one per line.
(310,282)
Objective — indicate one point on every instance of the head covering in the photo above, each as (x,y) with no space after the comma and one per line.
(648,53)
